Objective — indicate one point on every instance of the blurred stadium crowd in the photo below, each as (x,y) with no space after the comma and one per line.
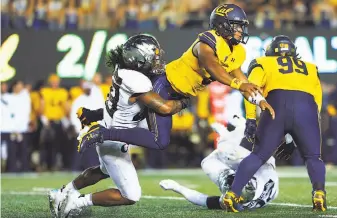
(39,126)
(161,14)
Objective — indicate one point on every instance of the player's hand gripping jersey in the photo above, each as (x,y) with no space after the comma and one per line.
(187,77)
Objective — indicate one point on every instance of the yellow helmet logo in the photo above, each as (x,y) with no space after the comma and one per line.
(7,51)
(284,47)
(223,10)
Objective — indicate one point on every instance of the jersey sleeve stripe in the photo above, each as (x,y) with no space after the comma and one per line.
(209,39)
(252,65)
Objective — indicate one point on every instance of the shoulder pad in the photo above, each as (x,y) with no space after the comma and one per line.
(317,72)
(252,65)
(134,81)
(208,38)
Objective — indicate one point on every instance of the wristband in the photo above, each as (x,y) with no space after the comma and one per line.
(236,83)
(257,99)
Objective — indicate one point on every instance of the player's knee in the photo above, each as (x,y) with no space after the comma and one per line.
(163,143)
(103,169)
(207,164)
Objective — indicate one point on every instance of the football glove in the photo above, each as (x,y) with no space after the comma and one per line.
(284,151)
(250,130)
(185,102)
(87,116)
(92,138)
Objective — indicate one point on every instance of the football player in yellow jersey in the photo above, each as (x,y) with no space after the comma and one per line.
(293,89)
(216,55)
(53,106)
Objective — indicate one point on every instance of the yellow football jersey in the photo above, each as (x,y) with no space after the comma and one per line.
(188,78)
(285,73)
(35,100)
(105,88)
(54,103)
(75,92)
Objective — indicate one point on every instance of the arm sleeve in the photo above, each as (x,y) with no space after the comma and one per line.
(256,75)
(208,38)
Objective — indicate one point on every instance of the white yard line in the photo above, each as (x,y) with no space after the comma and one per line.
(158,198)
(331,184)
(283,172)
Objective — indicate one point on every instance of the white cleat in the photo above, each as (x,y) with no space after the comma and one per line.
(168,184)
(56,196)
(69,206)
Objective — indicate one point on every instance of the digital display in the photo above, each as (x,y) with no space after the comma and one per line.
(36,54)
(314,51)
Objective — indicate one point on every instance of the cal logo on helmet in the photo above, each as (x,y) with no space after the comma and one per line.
(223,10)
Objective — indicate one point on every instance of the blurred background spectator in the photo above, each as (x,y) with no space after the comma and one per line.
(161,14)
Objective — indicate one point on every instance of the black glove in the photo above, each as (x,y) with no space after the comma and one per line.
(250,130)
(284,151)
(87,116)
(185,102)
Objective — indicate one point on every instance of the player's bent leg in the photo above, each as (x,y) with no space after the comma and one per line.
(89,177)
(268,136)
(112,197)
(217,170)
(119,166)
(75,202)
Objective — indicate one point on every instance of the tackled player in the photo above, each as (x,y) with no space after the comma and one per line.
(220,167)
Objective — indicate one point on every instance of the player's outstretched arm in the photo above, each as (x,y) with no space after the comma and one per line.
(259,100)
(153,101)
(210,62)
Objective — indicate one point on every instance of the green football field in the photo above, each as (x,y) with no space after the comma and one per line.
(25,195)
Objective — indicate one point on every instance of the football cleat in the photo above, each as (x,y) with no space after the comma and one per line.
(70,208)
(231,202)
(56,197)
(319,201)
(168,184)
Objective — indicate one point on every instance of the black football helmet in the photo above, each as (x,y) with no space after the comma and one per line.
(226,19)
(143,53)
(281,45)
